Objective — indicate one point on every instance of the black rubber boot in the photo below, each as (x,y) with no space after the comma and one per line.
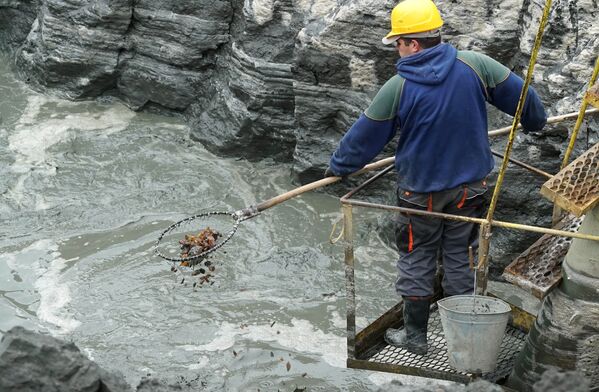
(413,336)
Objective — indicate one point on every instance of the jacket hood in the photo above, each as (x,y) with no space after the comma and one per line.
(429,66)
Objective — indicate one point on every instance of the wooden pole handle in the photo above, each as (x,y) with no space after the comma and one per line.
(550,120)
(319,184)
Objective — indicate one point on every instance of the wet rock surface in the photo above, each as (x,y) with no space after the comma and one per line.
(33,362)
(74,47)
(475,386)
(286,79)
(16,19)
(559,381)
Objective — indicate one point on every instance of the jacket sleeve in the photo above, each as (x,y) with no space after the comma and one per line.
(503,89)
(361,144)
(371,132)
(505,97)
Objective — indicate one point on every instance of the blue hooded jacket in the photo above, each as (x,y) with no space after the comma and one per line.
(438,102)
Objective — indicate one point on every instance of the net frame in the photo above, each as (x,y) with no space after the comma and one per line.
(237,219)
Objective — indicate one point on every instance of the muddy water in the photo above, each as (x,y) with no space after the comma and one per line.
(86,187)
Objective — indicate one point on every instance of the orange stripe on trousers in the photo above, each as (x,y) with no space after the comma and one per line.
(410,238)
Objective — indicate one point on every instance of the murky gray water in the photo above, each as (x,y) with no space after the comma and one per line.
(85,190)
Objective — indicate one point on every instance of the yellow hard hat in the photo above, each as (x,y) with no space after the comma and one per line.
(414,18)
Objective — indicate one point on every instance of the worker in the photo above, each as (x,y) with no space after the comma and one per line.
(437,101)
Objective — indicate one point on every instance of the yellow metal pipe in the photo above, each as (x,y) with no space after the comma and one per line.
(544,230)
(480,221)
(581,113)
(519,110)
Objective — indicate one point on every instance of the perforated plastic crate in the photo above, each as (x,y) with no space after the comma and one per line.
(539,268)
(576,187)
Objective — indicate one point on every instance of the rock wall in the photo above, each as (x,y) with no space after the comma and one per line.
(16,19)
(286,78)
(33,362)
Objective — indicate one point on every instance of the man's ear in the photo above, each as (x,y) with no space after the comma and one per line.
(417,45)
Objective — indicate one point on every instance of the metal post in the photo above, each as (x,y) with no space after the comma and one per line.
(583,256)
(350,286)
(483,252)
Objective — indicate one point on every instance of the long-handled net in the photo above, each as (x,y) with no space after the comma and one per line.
(193,240)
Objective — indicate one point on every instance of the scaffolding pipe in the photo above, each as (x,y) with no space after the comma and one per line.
(524,165)
(367,182)
(350,284)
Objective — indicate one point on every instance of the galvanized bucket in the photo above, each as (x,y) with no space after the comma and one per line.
(474,327)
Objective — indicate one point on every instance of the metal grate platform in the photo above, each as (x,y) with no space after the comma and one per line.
(539,268)
(576,187)
(436,361)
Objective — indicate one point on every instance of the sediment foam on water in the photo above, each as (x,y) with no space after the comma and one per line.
(54,293)
(300,336)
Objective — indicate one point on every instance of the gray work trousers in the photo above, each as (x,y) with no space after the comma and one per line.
(420,239)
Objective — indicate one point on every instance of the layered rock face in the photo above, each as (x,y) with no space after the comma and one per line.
(33,362)
(16,19)
(75,46)
(286,78)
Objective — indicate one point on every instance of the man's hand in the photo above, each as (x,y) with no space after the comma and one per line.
(529,131)
(329,173)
